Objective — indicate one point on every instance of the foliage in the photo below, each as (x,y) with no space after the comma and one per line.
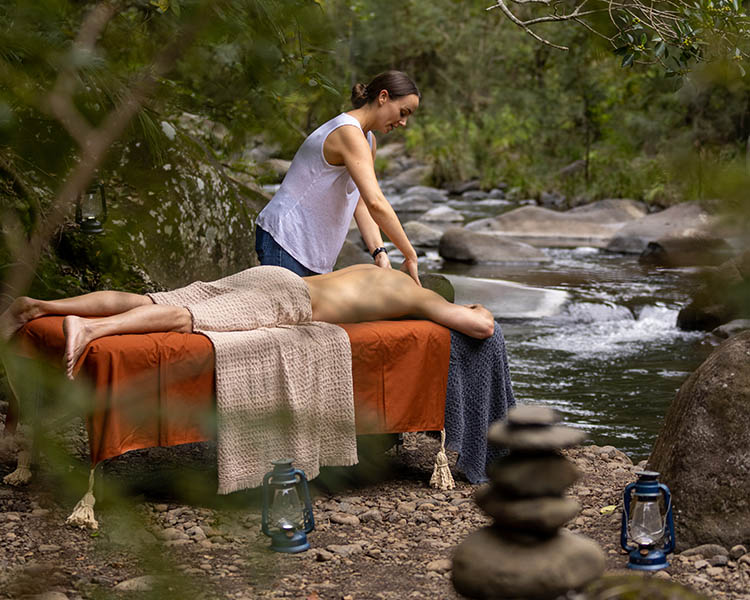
(675,34)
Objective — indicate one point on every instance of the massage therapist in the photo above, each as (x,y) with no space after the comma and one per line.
(331,178)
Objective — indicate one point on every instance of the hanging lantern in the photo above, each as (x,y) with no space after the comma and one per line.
(88,214)
(287,509)
(647,531)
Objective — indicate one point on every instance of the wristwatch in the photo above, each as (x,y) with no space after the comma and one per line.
(378,251)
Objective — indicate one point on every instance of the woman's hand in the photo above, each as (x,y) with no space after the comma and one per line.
(410,267)
(382,261)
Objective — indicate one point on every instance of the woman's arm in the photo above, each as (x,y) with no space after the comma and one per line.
(352,147)
(370,233)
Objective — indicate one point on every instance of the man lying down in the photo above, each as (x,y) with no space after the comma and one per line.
(279,297)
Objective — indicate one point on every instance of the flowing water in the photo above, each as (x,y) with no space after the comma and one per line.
(610,358)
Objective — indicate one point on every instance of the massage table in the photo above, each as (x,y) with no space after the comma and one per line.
(157,389)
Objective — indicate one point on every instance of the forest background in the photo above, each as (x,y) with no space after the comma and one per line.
(108,92)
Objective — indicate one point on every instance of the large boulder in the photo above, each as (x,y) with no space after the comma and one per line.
(509,300)
(464,245)
(686,220)
(698,250)
(590,225)
(703,449)
(723,296)
(420,234)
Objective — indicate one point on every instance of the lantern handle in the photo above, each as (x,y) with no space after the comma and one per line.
(625,516)
(307,510)
(668,519)
(266,494)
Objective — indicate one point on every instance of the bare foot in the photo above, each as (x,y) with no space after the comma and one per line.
(77,337)
(20,312)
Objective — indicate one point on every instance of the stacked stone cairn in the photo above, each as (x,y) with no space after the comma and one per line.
(524,553)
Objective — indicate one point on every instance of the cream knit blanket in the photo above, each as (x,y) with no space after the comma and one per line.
(283,382)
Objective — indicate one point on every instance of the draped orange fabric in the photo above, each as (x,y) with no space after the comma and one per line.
(157,389)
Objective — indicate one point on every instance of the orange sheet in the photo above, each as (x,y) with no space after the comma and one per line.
(157,389)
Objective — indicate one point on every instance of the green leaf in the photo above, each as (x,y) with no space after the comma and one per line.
(627,61)
(621,50)
(661,47)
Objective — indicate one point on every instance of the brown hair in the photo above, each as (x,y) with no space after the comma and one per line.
(396,83)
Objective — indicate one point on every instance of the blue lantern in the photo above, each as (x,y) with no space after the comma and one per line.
(287,509)
(644,523)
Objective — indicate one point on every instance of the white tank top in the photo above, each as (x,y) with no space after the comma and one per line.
(309,215)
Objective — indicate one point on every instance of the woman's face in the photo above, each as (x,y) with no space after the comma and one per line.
(394,112)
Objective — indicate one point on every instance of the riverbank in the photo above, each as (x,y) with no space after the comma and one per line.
(381,532)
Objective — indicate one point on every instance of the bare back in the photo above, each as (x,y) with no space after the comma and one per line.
(362,293)
(369,293)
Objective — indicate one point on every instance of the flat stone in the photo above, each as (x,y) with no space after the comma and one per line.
(49,548)
(486,565)
(137,584)
(542,475)
(323,555)
(442,565)
(533,414)
(535,515)
(442,214)
(344,549)
(720,560)
(345,519)
(534,439)
(705,550)
(736,551)
(50,596)
(371,515)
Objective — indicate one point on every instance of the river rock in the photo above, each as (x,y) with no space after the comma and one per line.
(686,220)
(442,214)
(545,475)
(413,203)
(137,584)
(722,296)
(507,299)
(543,515)
(711,412)
(486,565)
(592,225)
(465,245)
(705,550)
(420,234)
(439,284)
(727,330)
(700,249)
(416,175)
(425,191)
(534,439)
(533,414)
(351,254)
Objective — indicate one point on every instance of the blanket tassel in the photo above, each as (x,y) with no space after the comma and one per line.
(22,474)
(83,512)
(441,474)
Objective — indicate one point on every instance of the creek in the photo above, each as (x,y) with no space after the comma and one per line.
(606,353)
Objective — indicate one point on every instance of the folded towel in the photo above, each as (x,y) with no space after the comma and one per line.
(283,382)
(479,393)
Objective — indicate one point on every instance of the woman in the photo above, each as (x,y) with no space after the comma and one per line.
(354,294)
(332,178)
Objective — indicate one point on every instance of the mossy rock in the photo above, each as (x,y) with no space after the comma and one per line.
(438,284)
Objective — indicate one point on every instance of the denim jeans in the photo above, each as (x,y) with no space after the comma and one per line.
(270,253)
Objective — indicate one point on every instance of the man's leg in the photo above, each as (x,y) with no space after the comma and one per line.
(95,304)
(150,318)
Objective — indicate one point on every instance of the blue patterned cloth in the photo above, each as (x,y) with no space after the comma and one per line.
(479,393)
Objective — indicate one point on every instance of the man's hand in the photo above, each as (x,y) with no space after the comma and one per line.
(411,267)
(382,261)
